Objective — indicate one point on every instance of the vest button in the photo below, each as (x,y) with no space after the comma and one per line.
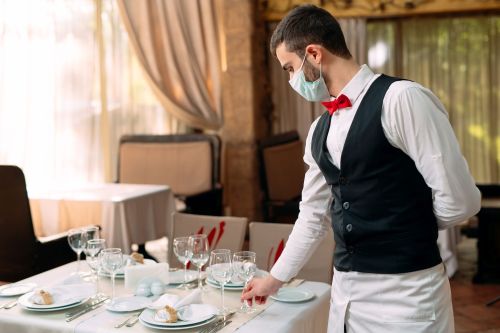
(346,205)
(348,227)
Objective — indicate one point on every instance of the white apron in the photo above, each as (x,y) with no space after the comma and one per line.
(415,302)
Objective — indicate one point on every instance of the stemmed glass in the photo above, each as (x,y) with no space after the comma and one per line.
(181,250)
(221,270)
(198,253)
(92,251)
(76,242)
(112,261)
(245,268)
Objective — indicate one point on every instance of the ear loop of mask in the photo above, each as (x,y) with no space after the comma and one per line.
(320,67)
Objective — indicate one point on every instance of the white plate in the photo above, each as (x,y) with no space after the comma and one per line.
(16,289)
(177,277)
(293,295)
(186,327)
(60,300)
(226,287)
(128,303)
(147,318)
(26,304)
(121,274)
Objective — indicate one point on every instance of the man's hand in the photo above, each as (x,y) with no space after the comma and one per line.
(260,289)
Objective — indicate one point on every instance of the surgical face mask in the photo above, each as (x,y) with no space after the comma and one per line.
(314,91)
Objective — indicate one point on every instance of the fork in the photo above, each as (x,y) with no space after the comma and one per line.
(9,305)
(130,319)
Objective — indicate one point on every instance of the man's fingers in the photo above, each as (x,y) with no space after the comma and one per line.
(248,293)
(260,299)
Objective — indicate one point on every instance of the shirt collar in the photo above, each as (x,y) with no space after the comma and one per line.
(358,83)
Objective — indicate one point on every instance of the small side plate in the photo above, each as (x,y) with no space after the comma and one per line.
(293,295)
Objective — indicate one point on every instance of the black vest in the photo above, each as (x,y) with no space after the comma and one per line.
(382,209)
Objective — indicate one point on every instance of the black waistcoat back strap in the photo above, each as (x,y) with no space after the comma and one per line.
(382,209)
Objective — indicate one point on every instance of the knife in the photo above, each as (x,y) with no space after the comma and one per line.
(220,326)
(212,325)
(84,311)
(87,305)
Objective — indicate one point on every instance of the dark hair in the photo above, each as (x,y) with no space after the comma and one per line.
(308,24)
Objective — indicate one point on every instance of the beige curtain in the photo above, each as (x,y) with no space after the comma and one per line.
(459,59)
(177,44)
(50,91)
(291,111)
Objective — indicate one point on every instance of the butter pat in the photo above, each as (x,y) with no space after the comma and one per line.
(135,273)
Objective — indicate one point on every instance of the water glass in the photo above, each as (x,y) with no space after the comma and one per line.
(181,251)
(245,268)
(76,241)
(221,271)
(112,261)
(92,250)
(198,253)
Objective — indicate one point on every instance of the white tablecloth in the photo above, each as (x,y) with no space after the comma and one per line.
(310,317)
(127,213)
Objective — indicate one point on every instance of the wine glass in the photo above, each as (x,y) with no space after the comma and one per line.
(245,268)
(112,261)
(91,232)
(221,271)
(76,242)
(198,253)
(92,251)
(181,250)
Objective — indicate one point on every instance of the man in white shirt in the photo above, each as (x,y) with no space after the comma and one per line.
(385,165)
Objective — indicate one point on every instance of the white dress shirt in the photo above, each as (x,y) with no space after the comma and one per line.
(413,120)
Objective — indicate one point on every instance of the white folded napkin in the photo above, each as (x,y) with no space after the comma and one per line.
(73,288)
(135,273)
(176,301)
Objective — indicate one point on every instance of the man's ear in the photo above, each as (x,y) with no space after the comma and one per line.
(315,53)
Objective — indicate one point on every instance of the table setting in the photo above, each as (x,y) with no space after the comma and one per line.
(129,291)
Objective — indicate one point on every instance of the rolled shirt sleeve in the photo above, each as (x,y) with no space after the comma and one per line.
(415,121)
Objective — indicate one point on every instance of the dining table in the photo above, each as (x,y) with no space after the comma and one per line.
(275,316)
(127,213)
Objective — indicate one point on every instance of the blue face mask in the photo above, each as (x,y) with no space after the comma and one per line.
(314,91)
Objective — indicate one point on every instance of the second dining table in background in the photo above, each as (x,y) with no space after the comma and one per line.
(127,213)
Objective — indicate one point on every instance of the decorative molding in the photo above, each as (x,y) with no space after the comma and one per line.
(275,10)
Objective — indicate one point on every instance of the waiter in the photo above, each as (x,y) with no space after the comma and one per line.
(385,165)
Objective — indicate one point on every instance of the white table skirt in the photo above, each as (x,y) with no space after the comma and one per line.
(310,317)
(127,213)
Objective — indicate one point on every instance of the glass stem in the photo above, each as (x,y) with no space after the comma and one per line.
(113,287)
(222,297)
(78,262)
(97,281)
(199,278)
(185,274)
(245,304)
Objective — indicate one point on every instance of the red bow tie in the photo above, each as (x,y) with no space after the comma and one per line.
(338,103)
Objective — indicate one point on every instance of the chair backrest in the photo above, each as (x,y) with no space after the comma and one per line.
(279,153)
(269,239)
(17,237)
(223,232)
(188,163)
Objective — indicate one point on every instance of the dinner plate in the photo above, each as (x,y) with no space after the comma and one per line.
(25,303)
(147,318)
(226,287)
(292,295)
(16,289)
(177,277)
(121,273)
(128,303)
(172,328)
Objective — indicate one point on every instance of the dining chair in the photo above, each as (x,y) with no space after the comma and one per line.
(282,176)
(22,254)
(223,232)
(268,240)
(188,163)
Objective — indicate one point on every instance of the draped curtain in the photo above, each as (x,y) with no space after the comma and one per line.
(178,45)
(50,93)
(290,110)
(458,58)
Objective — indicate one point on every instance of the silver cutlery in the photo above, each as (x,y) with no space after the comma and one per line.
(220,326)
(4,305)
(130,320)
(86,310)
(96,299)
(209,328)
(10,305)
